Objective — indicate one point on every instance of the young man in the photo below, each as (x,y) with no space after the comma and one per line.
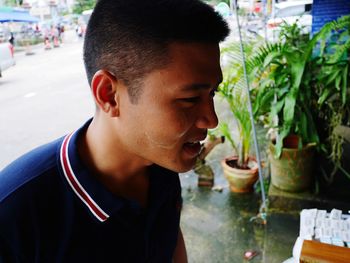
(110,190)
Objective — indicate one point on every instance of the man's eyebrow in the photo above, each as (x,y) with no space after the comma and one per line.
(199,86)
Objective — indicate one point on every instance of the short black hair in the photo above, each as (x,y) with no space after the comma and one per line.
(130,38)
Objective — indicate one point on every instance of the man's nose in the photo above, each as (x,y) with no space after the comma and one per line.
(207,118)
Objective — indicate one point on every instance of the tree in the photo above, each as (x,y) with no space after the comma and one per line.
(82,5)
(13,2)
(215,2)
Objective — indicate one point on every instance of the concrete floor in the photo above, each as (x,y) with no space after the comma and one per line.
(217,226)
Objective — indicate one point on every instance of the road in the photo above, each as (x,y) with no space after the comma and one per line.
(42,97)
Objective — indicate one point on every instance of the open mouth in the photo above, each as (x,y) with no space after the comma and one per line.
(193,148)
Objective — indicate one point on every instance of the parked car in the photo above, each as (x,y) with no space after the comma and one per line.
(6,57)
(290,12)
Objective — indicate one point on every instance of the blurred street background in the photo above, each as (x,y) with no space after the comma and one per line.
(42,97)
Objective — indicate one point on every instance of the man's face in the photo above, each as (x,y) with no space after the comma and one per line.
(175,108)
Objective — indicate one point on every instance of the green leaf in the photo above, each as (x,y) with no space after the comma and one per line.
(312,131)
(289,107)
(270,58)
(333,76)
(324,95)
(340,51)
(283,91)
(223,127)
(282,78)
(297,65)
(265,101)
(266,82)
(337,82)
(276,108)
(279,142)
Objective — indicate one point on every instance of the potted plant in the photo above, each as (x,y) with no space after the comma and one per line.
(330,79)
(283,98)
(240,169)
(284,79)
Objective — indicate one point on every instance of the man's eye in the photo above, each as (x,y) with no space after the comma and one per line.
(190,100)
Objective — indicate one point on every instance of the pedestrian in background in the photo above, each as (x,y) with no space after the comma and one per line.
(12,39)
(110,191)
(62,33)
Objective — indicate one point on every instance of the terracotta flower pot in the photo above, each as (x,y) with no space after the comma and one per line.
(240,180)
(293,171)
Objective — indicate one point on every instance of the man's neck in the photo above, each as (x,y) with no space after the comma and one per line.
(119,171)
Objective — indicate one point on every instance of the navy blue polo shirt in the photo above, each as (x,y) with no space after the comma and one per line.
(52,209)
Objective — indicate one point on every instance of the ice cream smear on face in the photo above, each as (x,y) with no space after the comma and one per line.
(193,148)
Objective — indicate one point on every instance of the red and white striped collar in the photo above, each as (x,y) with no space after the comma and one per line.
(74,183)
(95,196)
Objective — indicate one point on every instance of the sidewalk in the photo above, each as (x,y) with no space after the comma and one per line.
(69,37)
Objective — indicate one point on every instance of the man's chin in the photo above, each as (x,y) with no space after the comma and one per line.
(183,166)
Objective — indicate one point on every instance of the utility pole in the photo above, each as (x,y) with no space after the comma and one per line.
(232,5)
(273,8)
(264,6)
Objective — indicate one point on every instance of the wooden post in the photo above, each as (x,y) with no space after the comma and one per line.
(314,251)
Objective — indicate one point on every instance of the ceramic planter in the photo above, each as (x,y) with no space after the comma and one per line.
(293,171)
(240,180)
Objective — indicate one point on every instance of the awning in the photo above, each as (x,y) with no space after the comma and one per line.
(17,16)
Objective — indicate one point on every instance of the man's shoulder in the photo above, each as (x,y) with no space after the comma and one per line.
(28,167)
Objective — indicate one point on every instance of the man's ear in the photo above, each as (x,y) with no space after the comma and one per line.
(105,92)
